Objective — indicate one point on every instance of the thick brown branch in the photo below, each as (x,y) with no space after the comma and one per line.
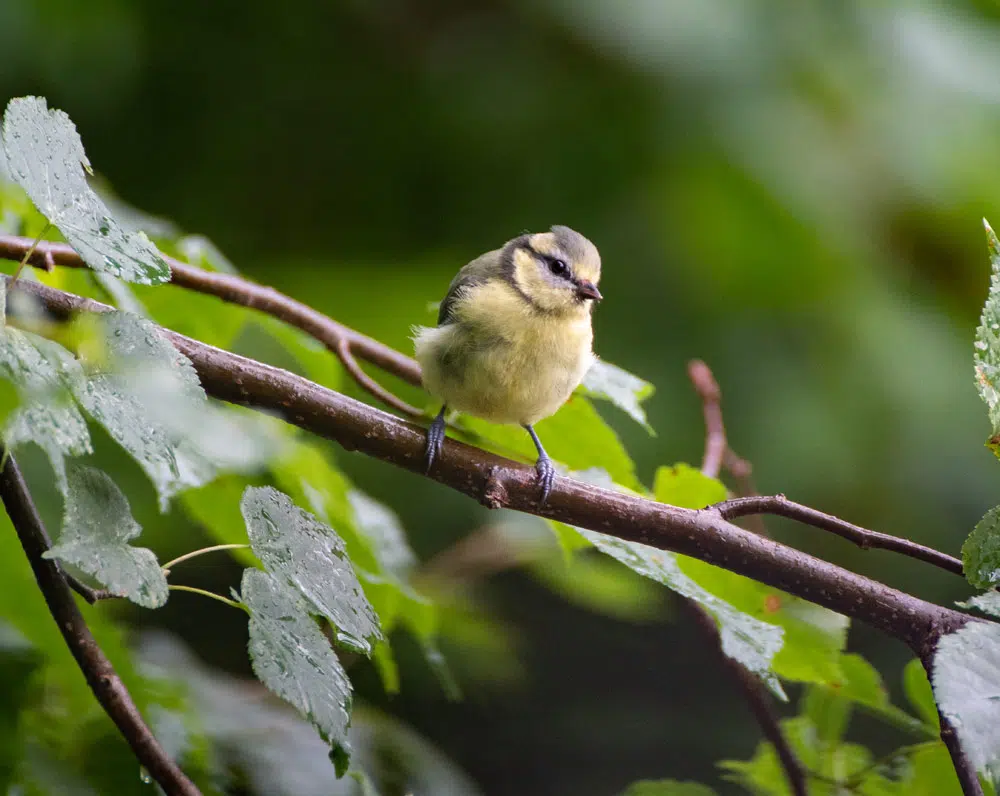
(101,676)
(341,340)
(781,506)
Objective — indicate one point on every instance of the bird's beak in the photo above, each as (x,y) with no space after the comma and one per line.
(588,290)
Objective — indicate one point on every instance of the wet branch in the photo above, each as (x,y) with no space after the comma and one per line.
(103,680)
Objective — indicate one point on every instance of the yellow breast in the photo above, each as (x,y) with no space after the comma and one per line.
(502,360)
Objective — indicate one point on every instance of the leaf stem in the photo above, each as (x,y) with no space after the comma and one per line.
(194,553)
(210,594)
(29,252)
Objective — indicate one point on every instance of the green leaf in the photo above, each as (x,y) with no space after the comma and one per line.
(148,397)
(668,787)
(920,694)
(380,525)
(687,487)
(575,436)
(45,157)
(931,773)
(967,684)
(306,556)
(752,642)
(216,507)
(813,637)
(317,361)
(43,373)
(608,382)
(981,551)
(988,603)
(862,685)
(97,526)
(293,658)
(987,345)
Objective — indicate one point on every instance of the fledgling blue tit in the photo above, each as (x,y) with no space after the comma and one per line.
(514,336)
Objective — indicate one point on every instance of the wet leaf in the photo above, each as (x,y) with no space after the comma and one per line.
(306,556)
(988,603)
(981,552)
(148,397)
(45,156)
(966,683)
(609,382)
(97,527)
(293,658)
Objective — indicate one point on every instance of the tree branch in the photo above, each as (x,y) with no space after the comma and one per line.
(101,676)
(496,482)
(781,506)
(345,343)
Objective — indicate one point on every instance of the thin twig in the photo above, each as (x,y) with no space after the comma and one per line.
(500,483)
(781,506)
(760,702)
(345,343)
(90,594)
(101,676)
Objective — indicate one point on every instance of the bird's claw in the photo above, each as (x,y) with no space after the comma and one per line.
(546,475)
(435,440)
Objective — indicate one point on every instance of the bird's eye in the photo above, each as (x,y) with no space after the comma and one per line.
(558,267)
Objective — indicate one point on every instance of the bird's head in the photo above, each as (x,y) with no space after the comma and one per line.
(555,271)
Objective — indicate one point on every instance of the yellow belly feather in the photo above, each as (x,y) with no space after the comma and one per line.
(501,360)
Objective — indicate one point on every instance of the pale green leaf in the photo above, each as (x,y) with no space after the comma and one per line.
(931,773)
(981,551)
(919,693)
(45,157)
(862,685)
(308,557)
(43,373)
(668,787)
(687,487)
(609,382)
(97,527)
(988,603)
(147,396)
(382,528)
(966,683)
(752,642)
(575,436)
(293,658)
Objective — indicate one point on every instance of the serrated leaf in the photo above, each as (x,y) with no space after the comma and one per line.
(307,556)
(45,156)
(687,487)
(988,603)
(668,787)
(966,683)
(609,382)
(292,657)
(44,373)
(919,693)
(987,345)
(981,551)
(97,527)
(147,396)
(750,641)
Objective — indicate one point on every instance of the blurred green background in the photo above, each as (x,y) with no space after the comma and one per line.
(792,192)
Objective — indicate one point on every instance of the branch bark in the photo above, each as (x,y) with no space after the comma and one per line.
(103,680)
(496,482)
(344,342)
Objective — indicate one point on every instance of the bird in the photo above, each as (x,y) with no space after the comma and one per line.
(513,337)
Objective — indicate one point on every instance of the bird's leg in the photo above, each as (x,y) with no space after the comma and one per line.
(546,470)
(435,439)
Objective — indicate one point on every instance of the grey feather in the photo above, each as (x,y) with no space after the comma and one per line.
(480,270)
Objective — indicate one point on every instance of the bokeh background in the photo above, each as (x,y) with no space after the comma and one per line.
(791,191)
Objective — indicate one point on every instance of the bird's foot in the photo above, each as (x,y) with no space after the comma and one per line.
(546,475)
(435,439)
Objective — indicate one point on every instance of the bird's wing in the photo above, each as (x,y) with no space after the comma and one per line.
(480,270)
